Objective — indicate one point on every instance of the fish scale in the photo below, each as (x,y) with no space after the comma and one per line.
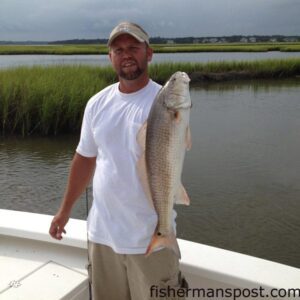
(167,136)
(163,179)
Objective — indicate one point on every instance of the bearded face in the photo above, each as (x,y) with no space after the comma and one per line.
(129,57)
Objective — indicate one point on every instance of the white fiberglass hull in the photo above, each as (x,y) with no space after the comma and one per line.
(35,266)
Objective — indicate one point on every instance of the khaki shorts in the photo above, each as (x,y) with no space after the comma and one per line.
(133,276)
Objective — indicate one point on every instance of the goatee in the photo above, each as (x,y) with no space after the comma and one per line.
(132,75)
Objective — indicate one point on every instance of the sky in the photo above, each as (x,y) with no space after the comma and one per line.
(52,20)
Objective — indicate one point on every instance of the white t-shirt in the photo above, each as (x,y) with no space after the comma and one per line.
(121,216)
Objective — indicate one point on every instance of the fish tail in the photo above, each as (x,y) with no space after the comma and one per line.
(168,241)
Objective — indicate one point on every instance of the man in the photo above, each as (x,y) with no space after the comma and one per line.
(121,220)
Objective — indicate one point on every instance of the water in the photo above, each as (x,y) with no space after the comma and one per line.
(242,173)
(34,172)
(7,61)
(244,168)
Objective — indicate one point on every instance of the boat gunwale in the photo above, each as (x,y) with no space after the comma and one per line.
(198,260)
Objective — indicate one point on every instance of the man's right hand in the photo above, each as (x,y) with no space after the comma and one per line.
(82,169)
(57,227)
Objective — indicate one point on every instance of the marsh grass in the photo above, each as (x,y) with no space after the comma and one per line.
(158,48)
(51,100)
(47,100)
(271,68)
(228,47)
(53,49)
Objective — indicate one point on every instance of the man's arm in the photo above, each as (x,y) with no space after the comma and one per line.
(82,169)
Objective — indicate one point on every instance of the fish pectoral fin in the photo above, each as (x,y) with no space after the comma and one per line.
(141,136)
(188,138)
(182,197)
(168,241)
(142,173)
(177,116)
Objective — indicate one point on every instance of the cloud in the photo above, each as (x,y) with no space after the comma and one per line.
(68,19)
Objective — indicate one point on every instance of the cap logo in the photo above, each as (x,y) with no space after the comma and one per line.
(124,28)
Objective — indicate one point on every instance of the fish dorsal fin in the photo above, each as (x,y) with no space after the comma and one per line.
(141,164)
(182,197)
(188,138)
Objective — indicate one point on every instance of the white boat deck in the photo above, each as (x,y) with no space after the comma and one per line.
(34,266)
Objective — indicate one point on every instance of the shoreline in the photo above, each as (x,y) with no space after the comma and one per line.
(200,77)
(92,49)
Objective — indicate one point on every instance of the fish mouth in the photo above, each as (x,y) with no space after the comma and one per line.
(186,78)
(181,77)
